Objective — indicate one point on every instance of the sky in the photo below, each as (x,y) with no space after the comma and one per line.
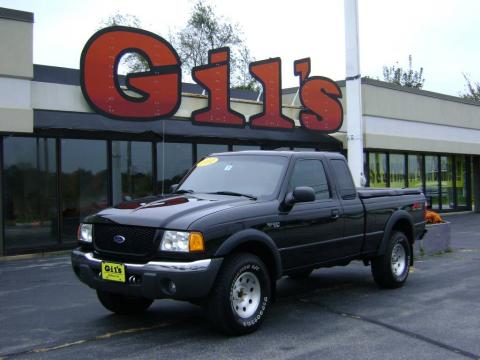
(441,35)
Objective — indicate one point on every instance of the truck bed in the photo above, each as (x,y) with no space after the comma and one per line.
(367,193)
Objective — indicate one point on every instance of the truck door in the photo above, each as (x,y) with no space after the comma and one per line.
(352,208)
(310,229)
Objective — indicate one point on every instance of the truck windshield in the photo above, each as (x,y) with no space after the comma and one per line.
(236,175)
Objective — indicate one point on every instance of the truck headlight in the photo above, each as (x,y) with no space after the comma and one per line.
(182,241)
(85,232)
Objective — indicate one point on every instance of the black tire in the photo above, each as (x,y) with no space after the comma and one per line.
(123,304)
(237,274)
(301,275)
(391,270)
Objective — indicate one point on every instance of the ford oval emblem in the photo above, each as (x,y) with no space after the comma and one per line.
(119,239)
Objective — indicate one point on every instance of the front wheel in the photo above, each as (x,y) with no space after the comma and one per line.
(391,269)
(240,296)
(123,304)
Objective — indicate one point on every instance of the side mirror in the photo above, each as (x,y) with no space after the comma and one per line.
(300,194)
(173,188)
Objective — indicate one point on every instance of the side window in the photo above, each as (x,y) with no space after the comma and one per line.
(310,173)
(343,177)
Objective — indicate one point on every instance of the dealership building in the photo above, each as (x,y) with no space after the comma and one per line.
(59,160)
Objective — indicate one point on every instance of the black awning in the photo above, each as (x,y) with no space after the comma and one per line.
(91,122)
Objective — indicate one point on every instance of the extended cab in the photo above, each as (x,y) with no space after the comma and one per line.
(237,223)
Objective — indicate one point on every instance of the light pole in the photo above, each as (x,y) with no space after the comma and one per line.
(353,93)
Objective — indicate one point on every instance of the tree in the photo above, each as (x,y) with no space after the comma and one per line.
(473,89)
(131,62)
(409,78)
(205,30)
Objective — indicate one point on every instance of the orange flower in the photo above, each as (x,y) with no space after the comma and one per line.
(431,217)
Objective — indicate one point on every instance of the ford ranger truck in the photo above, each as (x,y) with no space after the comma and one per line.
(237,223)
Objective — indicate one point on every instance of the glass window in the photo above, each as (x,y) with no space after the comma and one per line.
(84,182)
(245,147)
(446,167)
(415,166)
(173,162)
(246,174)
(378,169)
(30,192)
(131,170)
(343,175)
(397,170)
(207,149)
(310,173)
(431,181)
(460,180)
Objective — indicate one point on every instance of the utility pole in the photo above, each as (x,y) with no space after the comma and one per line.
(354,93)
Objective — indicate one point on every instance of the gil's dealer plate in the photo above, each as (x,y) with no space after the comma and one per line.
(113,271)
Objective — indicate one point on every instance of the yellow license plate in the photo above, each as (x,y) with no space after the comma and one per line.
(113,271)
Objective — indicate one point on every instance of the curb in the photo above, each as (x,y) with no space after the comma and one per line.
(34,256)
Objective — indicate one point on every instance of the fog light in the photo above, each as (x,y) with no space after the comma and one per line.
(172,288)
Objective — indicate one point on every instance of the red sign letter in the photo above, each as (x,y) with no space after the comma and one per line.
(215,78)
(268,72)
(320,96)
(159,88)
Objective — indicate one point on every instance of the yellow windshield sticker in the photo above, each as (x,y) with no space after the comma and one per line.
(207,161)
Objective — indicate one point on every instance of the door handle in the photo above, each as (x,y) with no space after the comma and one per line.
(335,214)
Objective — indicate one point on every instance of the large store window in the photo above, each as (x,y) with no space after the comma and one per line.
(446,178)
(397,170)
(461,181)
(30,192)
(378,169)
(83,181)
(431,181)
(173,162)
(131,170)
(207,149)
(415,166)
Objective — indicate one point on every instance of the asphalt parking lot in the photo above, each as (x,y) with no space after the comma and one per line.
(338,313)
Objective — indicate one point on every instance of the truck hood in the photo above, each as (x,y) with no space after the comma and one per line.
(175,212)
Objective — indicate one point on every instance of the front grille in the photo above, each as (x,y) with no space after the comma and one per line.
(139,241)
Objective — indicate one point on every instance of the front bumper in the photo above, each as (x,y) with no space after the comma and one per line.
(153,279)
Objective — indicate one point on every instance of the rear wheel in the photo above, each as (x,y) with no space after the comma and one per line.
(391,269)
(240,296)
(123,304)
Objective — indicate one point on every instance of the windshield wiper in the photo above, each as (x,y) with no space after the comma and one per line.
(183,191)
(233,193)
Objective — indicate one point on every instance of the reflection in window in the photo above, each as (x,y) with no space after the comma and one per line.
(431,181)
(303,149)
(397,170)
(30,192)
(83,181)
(207,149)
(310,173)
(460,180)
(245,147)
(415,166)
(131,170)
(446,167)
(378,169)
(173,162)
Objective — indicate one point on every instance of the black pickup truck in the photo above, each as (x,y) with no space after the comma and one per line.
(238,222)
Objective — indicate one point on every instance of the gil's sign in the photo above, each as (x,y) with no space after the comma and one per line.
(159,88)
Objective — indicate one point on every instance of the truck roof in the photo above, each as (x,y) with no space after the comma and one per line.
(286,153)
